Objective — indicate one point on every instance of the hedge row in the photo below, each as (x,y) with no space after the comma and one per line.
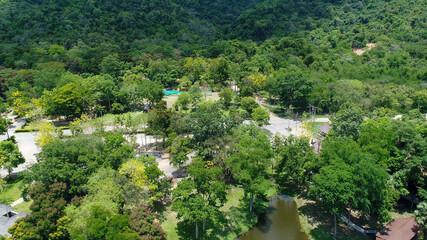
(35,130)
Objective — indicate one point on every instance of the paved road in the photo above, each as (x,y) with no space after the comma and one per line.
(284,126)
(28,148)
(26,145)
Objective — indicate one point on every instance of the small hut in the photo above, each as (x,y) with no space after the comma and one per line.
(324,130)
(399,229)
(8,217)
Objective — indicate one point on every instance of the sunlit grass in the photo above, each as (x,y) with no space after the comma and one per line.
(24,207)
(11,192)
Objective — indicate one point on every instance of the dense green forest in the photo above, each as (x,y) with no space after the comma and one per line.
(78,62)
(45,45)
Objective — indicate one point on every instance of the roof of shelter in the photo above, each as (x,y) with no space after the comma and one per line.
(399,229)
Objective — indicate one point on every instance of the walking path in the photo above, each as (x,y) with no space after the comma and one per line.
(285,126)
(357,228)
(17,202)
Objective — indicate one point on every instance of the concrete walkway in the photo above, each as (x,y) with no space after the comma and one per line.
(17,202)
(357,228)
(25,142)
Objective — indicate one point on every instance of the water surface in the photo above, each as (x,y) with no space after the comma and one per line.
(279,222)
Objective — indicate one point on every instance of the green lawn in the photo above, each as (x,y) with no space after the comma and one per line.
(24,207)
(11,191)
(318,224)
(171,99)
(170,223)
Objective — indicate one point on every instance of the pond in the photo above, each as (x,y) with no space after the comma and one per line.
(279,222)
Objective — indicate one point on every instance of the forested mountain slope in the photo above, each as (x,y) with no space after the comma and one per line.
(123,22)
(66,22)
(312,39)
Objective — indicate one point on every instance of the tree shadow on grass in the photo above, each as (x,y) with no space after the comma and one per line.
(237,220)
(10,183)
(323,223)
(231,223)
(293,189)
(161,208)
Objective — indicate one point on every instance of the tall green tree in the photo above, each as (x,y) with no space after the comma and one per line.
(93,216)
(378,137)
(373,194)
(261,116)
(227,95)
(421,217)
(3,126)
(70,100)
(249,104)
(197,199)
(112,65)
(347,121)
(73,160)
(184,99)
(334,187)
(295,162)
(10,156)
(249,161)
(208,121)
(159,120)
(152,91)
(292,85)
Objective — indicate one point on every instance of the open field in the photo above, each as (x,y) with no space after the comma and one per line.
(171,99)
(24,207)
(11,191)
(109,118)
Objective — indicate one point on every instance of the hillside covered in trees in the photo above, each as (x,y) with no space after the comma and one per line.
(213,42)
(102,68)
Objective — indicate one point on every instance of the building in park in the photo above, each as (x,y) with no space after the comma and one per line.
(323,130)
(8,217)
(399,229)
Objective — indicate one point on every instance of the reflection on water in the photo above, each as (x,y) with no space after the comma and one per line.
(280,222)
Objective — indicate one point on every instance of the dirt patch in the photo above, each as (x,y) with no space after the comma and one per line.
(371,45)
(360,51)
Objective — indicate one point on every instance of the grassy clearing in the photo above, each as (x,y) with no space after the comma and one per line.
(170,223)
(171,99)
(24,207)
(11,191)
(109,118)
(318,224)
(235,220)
